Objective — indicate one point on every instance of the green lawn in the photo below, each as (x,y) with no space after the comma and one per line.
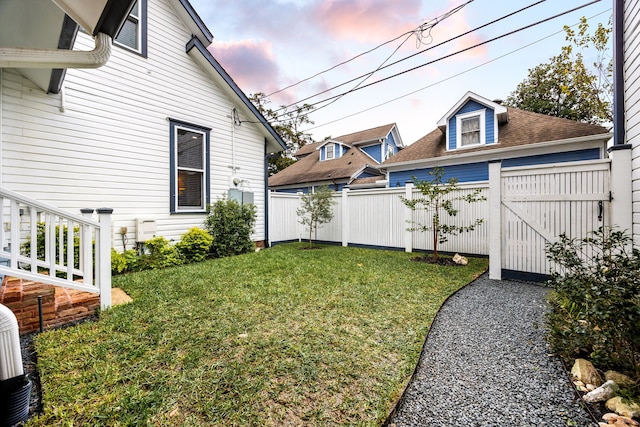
(280,337)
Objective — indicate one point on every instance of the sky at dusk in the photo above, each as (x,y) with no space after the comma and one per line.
(267,46)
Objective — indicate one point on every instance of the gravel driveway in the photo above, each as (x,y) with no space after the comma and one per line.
(486,363)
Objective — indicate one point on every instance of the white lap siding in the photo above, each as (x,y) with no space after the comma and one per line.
(632,101)
(110,146)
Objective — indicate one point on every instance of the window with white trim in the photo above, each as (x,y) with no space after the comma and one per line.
(189,167)
(470,129)
(329,151)
(132,35)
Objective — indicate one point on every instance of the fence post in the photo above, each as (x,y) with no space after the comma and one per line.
(620,184)
(103,260)
(345,216)
(495,221)
(86,261)
(408,217)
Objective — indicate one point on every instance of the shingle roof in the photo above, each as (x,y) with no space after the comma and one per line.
(372,134)
(311,169)
(523,128)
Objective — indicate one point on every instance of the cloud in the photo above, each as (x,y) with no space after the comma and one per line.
(364,21)
(455,25)
(250,63)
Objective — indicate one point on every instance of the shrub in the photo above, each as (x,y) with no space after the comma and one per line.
(595,306)
(195,245)
(40,244)
(124,262)
(160,254)
(230,224)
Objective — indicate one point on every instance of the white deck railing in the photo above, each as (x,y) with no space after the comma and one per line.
(43,243)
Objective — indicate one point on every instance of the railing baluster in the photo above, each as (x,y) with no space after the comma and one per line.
(33,224)
(70,249)
(51,244)
(15,233)
(86,258)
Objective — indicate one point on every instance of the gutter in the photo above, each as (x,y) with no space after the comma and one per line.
(57,58)
(618,73)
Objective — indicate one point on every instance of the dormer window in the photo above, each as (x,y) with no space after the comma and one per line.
(470,129)
(330,151)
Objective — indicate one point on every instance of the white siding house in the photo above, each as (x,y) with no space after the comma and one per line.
(110,137)
(631,70)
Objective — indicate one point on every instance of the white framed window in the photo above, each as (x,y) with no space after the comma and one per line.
(329,151)
(470,129)
(390,152)
(132,35)
(189,146)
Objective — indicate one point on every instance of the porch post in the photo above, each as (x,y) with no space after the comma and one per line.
(495,221)
(103,258)
(345,216)
(408,217)
(621,194)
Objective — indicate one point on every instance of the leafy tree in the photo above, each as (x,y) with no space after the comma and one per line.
(287,122)
(316,209)
(566,86)
(438,199)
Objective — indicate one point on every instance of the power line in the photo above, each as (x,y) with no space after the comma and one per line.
(417,53)
(428,25)
(448,78)
(457,52)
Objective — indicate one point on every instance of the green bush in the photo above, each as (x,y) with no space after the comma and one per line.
(40,244)
(159,254)
(595,305)
(195,245)
(230,224)
(124,262)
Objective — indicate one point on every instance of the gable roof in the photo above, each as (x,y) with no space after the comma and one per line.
(523,128)
(355,138)
(310,169)
(500,110)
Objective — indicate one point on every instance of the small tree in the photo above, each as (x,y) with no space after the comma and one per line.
(316,209)
(230,224)
(437,200)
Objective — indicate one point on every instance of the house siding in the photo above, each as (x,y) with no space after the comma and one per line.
(632,102)
(469,107)
(110,146)
(374,151)
(479,171)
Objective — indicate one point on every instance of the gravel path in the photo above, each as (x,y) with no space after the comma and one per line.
(485,363)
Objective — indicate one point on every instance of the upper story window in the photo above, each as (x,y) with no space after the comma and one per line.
(189,167)
(330,151)
(133,34)
(470,129)
(390,152)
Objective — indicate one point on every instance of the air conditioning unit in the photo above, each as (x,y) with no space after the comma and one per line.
(145,229)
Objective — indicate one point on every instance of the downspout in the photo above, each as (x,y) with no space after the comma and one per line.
(618,73)
(57,58)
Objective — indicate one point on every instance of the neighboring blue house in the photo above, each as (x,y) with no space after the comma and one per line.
(350,159)
(476,131)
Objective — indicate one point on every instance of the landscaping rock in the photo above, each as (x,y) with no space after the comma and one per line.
(617,405)
(605,392)
(460,260)
(618,420)
(621,379)
(584,371)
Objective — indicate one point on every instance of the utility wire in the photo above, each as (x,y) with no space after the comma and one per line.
(448,78)
(428,25)
(417,53)
(457,52)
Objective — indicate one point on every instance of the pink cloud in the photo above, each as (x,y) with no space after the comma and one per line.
(364,21)
(453,26)
(250,63)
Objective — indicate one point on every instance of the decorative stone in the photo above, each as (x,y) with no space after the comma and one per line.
(617,405)
(578,383)
(604,392)
(591,387)
(460,260)
(621,379)
(619,420)
(584,371)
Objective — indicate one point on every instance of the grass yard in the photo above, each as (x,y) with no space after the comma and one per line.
(280,337)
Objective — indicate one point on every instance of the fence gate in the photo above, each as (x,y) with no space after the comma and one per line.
(538,203)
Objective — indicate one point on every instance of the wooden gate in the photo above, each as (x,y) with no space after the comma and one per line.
(538,203)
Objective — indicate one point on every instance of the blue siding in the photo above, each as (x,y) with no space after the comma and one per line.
(369,175)
(391,141)
(465,173)
(469,107)
(568,156)
(373,151)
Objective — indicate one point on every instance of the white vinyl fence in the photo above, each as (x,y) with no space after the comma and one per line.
(379,218)
(525,209)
